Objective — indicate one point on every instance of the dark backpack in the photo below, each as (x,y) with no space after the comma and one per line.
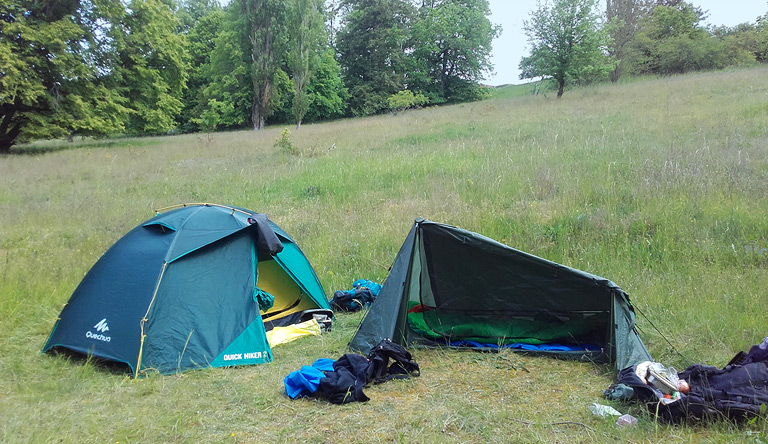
(351,300)
(402,366)
(736,392)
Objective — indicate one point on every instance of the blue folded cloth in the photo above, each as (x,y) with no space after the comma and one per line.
(306,380)
(324,364)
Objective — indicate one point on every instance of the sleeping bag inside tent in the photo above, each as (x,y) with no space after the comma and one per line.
(196,286)
(455,288)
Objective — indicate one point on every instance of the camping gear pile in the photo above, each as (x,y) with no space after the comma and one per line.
(342,381)
(196,286)
(738,391)
(201,285)
(362,295)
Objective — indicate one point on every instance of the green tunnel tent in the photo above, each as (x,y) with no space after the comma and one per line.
(455,288)
(181,291)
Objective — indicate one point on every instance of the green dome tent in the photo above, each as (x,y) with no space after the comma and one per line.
(186,289)
(455,288)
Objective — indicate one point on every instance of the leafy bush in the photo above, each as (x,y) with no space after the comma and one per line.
(405,100)
(211,117)
(285,144)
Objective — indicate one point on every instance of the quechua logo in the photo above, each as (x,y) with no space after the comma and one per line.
(101,328)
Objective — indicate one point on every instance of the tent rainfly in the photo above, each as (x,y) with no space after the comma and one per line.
(190,288)
(455,288)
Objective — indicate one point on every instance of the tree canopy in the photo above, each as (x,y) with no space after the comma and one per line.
(452,48)
(54,78)
(372,46)
(151,72)
(671,40)
(99,68)
(567,43)
(306,34)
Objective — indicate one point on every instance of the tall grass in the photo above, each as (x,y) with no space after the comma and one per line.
(660,185)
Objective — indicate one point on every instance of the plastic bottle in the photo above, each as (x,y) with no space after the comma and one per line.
(626,420)
(603,411)
(764,345)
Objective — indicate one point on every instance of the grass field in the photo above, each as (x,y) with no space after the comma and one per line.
(660,185)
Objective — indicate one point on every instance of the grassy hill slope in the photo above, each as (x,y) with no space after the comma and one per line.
(659,185)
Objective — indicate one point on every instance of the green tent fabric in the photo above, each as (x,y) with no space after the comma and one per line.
(497,330)
(183,290)
(448,286)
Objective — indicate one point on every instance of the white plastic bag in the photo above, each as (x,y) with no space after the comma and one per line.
(603,411)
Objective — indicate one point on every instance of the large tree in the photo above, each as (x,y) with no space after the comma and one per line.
(328,95)
(452,48)
(229,73)
(248,54)
(152,68)
(567,43)
(306,35)
(671,41)
(54,57)
(265,27)
(623,20)
(761,47)
(372,47)
(201,21)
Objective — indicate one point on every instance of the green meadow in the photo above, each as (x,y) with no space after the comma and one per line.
(659,184)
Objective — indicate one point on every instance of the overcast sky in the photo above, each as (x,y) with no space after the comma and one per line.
(511,46)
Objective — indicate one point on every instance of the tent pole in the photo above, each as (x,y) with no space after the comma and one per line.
(145,319)
(173,207)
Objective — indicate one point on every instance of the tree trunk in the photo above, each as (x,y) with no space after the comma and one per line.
(262,93)
(258,123)
(617,71)
(257,117)
(9,131)
(560,88)
(5,145)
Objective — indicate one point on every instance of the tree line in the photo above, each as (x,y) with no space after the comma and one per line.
(98,68)
(141,67)
(572,42)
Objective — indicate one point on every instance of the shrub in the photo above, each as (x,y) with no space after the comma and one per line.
(405,100)
(285,144)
